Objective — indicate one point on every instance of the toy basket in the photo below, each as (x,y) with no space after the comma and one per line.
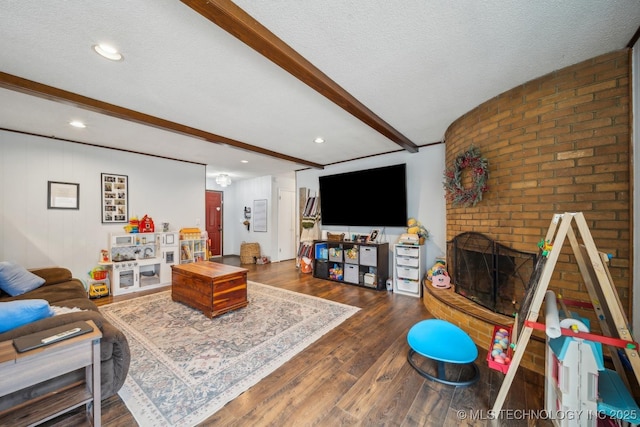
(493,364)
(335,237)
(98,274)
(249,252)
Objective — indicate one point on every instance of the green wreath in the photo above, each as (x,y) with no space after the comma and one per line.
(456,193)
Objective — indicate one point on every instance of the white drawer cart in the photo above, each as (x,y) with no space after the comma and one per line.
(408,269)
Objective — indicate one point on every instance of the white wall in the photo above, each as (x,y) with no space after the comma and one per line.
(35,236)
(424,191)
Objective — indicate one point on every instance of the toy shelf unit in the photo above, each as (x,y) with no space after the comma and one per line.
(408,269)
(361,264)
(193,245)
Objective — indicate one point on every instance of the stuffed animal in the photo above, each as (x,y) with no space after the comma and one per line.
(439,276)
(415,227)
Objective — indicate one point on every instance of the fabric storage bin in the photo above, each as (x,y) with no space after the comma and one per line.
(321,269)
(370,280)
(369,255)
(351,273)
(351,255)
(335,254)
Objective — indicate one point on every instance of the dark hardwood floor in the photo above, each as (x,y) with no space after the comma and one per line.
(358,374)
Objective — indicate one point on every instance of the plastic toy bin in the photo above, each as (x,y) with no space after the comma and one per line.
(322,251)
(493,364)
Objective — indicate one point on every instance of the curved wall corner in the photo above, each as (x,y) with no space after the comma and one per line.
(559,143)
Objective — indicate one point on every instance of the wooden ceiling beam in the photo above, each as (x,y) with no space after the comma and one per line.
(241,25)
(19,84)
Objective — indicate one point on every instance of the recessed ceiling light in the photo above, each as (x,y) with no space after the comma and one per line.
(77,124)
(108,52)
(318,140)
(244,161)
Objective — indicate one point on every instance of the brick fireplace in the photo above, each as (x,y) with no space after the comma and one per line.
(559,143)
(490,281)
(490,274)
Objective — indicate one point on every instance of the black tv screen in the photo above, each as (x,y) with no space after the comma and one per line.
(373,197)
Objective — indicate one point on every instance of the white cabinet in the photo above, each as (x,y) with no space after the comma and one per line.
(136,263)
(168,246)
(408,269)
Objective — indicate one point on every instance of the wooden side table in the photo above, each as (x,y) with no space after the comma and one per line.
(20,370)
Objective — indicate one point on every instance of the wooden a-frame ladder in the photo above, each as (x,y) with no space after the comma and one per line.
(603,295)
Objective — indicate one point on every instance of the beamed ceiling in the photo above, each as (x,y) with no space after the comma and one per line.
(216,82)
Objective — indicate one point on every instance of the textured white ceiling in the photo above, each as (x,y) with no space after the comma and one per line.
(419,65)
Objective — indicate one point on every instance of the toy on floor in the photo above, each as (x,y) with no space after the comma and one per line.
(305,265)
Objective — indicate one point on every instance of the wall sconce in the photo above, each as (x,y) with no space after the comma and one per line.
(223,180)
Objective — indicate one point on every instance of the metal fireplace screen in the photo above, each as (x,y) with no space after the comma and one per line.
(488,273)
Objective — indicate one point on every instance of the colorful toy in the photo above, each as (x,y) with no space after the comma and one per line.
(546,247)
(352,253)
(439,276)
(336,272)
(305,265)
(499,355)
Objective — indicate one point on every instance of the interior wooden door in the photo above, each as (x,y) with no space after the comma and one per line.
(213,201)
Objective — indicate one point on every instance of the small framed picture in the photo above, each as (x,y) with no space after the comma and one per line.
(63,195)
(373,236)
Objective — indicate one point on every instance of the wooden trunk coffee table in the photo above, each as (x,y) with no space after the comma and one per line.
(209,287)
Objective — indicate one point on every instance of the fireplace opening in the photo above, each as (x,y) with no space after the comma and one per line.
(489,273)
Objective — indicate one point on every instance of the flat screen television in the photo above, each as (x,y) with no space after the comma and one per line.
(372,197)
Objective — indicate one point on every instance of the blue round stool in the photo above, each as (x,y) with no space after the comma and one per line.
(443,342)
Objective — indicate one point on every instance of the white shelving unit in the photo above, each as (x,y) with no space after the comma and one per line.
(408,269)
(193,248)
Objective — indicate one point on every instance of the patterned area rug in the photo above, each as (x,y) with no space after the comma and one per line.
(185,366)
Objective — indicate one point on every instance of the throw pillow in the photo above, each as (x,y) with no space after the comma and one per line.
(16,280)
(21,312)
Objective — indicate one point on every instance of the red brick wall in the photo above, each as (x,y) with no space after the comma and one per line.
(560,143)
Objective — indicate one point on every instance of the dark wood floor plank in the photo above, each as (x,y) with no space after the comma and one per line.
(430,405)
(394,402)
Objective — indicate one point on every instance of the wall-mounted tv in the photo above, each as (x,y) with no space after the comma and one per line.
(373,197)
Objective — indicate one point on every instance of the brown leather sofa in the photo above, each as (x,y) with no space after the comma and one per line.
(62,290)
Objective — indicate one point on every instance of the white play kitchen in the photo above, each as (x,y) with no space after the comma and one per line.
(141,261)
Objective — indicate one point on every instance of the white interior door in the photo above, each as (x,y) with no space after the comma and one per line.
(286,225)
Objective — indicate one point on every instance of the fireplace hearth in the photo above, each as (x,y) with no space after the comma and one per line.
(489,273)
